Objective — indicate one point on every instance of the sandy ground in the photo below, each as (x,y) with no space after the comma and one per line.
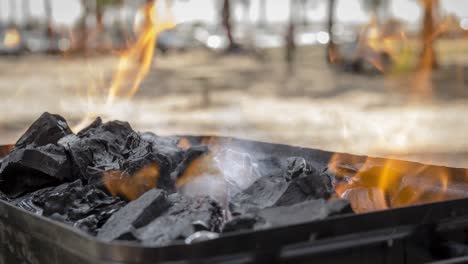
(203,93)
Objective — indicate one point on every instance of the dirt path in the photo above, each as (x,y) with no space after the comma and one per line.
(200,93)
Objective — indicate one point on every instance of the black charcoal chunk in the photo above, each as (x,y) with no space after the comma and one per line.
(263,193)
(304,212)
(165,145)
(29,169)
(140,153)
(243,223)
(98,148)
(48,129)
(177,222)
(300,182)
(83,206)
(297,166)
(305,183)
(190,155)
(136,214)
(4,197)
(115,146)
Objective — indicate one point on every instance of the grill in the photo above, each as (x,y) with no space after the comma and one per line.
(428,233)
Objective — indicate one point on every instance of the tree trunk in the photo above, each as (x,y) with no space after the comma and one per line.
(82,42)
(48,14)
(99,22)
(428,58)
(226,15)
(290,37)
(332,51)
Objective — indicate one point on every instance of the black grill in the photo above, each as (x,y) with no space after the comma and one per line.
(429,233)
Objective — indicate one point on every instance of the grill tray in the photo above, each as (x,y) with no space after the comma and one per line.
(415,234)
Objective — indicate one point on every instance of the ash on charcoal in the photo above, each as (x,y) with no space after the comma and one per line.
(311,210)
(243,223)
(48,129)
(307,211)
(298,183)
(134,215)
(83,206)
(28,169)
(178,221)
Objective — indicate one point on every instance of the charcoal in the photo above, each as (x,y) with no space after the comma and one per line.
(115,146)
(300,182)
(263,193)
(201,236)
(305,182)
(134,215)
(242,223)
(307,211)
(190,155)
(48,129)
(165,146)
(177,222)
(29,169)
(83,206)
(98,148)
(4,197)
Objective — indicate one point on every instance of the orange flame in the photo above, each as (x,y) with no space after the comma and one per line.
(12,38)
(375,184)
(134,63)
(132,186)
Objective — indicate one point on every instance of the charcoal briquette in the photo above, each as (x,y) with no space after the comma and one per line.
(135,214)
(48,129)
(177,222)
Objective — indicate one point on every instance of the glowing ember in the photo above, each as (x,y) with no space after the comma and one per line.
(12,38)
(132,186)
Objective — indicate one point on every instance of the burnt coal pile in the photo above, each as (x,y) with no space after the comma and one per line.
(118,184)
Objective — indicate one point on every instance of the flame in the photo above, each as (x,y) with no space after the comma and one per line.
(134,63)
(132,186)
(12,38)
(375,184)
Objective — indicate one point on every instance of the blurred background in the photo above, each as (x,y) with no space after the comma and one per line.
(384,78)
